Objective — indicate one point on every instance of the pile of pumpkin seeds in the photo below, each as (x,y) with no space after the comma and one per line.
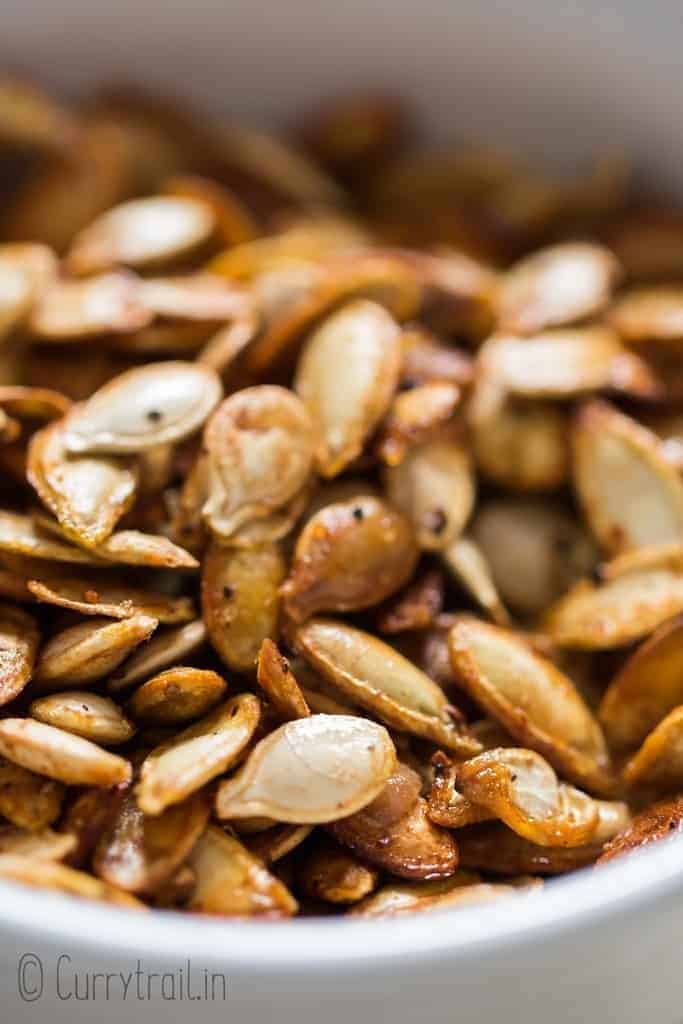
(341,512)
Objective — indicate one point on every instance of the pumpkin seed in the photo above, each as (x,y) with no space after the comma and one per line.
(60,755)
(647,316)
(19,535)
(198,296)
(19,639)
(28,800)
(555,286)
(232,882)
(275,843)
(411,898)
(144,407)
(469,566)
(198,754)
(240,600)
(43,845)
(164,649)
(446,805)
(522,445)
(434,487)
(316,769)
(414,416)
(333,875)
(277,680)
(155,230)
(416,607)
(48,874)
(260,444)
(89,651)
(29,403)
(660,822)
(115,600)
(378,678)
(176,696)
(346,377)
(532,699)
(659,761)
(85,714)
(349,555)
(71,311)
(494,848)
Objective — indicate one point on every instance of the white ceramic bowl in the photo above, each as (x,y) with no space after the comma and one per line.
(560,80)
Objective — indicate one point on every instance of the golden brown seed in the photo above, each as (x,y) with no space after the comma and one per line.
(98,596)
(147,406)
(347,375)
(659,761)
(86,714)
(33,403)
(414,608)
(378,678)
(43,845)
(660,822)
(277,680)
(522,446)
(631,496)
(87,495)
(334,875)
(20,536)
(532,699)
(349,555)
(493,847)
(232,882)
(648,316)
(272,844)
(240,600)
(141,232)
(198,754)
(138,853)
(28,800)
(312,770)
(434,487)
(446,805)
(414,416)
(71,311)
(89,651)
(468,564)
(260,444)
(176,696)
(60,755)
(418,897)
(47,874)
(166,648)
(19,639)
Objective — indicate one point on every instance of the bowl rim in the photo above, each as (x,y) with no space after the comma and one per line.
(641,882)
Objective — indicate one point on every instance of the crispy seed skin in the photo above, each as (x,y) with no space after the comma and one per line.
(492,847)
(161,651)
(19,536)
(28,800)
(85,714)
(396,900)
(19,639)
(87,652)
(659,761)
(70,311)
(97,596)
(144,407)
(276,678)
(177,696)
(43,845)
(336,876)
(45,874)
(346,377)
(60,755)
(312,770)
(660,822)
(350,555)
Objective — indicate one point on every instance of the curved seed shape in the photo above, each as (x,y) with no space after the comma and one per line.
(631,495)
(60,755)
(20,536)
(197,755)
(347,375)
(48,874)
(277,680)
(395,900)
(87,495)
(240,600)
(617,612)
(531,698)
(434,486)
(494,848)
(564,363)
(275,843)
(316,769)
(650,316)
(378,678)
(86,818)
(349,555)
(414,416)
(647,688)
(19,639)
(521,788)
(416,607)
(534,548)
(334,875)
(232,882)
(556,286)
(425,360)
(71,311)
(234,221)
(116,601)
(522,446)
(85,714)
(409,846)
(132,547)
(661,822)
(260,444)
(28,800)
(158,229)
(362,277)
(43,845)
(29,403)
(138,853)
(166,648)
(89,651)
(144,407)
(176,696)
(446,805)
(198,296)
(659,761)
(469,566)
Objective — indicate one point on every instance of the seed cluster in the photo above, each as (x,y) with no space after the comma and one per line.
(341,513)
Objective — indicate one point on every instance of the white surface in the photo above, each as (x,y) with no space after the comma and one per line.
(562,79)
